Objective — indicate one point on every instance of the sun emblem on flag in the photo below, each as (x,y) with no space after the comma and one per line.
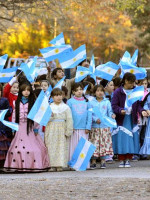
(132,71)
(108,70)
(82,155)
(81,73)
(42,108)
(129,96)
(74,59)
(56,50)
(3,75)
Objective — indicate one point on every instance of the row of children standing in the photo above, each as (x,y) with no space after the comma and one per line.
(68,123)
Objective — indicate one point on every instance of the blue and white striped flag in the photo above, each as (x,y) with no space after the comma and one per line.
(81,73)
(41,111)
(107,70)
(56,52)
(3,60)
(7,74)
(92,68)
(108,121)
(126,58)
(12,125)
(59,83)
(139,72)
(136,95)
(72,59)
(48,91)
(134,58)
(85,89)
(82,155)
(59,40)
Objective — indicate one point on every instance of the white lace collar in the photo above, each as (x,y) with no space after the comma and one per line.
(58,108)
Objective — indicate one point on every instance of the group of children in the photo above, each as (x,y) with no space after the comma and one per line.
(37,148)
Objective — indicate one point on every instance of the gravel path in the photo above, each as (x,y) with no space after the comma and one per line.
(112,183)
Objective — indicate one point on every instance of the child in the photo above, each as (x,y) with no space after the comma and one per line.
(5,132)
(108,87)
(11,92)
(44,85)
(125,137)
(57,75)
(58,131)
(100,134)
(82,117)
(27,151)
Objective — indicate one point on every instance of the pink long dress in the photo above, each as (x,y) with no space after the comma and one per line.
(27,151)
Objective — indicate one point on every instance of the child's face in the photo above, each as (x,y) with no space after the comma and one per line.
(26,93)
(145,84)
(129,85)
(110,87)
(44,86)
(99,93)
(78,92)
(15,88)
(57,99)
(59,74)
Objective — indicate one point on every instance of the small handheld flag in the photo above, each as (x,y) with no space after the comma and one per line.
(81,73)
(60,83)
(7,74)
(59,40)
(3,60)
(82,155)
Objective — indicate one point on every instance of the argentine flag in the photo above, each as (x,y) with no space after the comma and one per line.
(7,74)
(41,111)
(82,155)
(3,60)
(48,91)
(73,58)
(108,121)
(92,68)
(106,71)
(81,73)
(136,95)
(126,58)
(59,40)
(55,52)
(12,125)
(139,72)
(134,57)
(60,83)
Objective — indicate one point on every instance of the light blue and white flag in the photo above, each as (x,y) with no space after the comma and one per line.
(56,52)
(108,121)
(3,60)
(60,83)
(107,70)
(30,70)
(81,73)
(134,58)
(139,72)
(12,125)
(85,89)
(7,74)
(126,58)
(82,155)
(73,58)
(136,95)
(41,111)
(92,68)
(48,91)
(59,40)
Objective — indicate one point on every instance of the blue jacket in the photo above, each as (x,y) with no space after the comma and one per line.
(105,108)
(82,116)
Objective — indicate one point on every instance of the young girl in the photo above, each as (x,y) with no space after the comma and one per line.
(125,137)
(58,131)
(82,117)
(56,76)
(108,87)
(27,151)
(5,132)
(11,92)
(44,85)
(100,134)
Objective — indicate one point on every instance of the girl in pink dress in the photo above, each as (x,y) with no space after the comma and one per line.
(27,151)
